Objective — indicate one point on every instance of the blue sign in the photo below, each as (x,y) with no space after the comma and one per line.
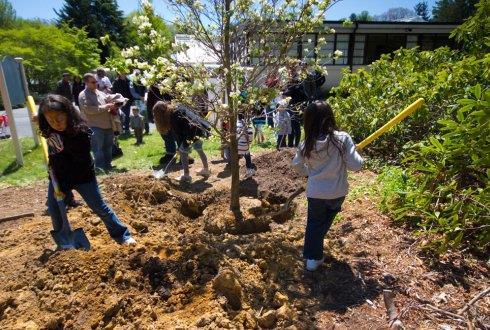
(13,78)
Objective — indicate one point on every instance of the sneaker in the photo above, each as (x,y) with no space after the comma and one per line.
(204,172)
(184,178)
(312,264)
(129,241)
(250,173)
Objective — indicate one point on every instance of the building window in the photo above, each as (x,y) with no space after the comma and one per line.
(342,44)
(327,49)
(378,44)
(412,40)
(308,46)
(358,54)
(433,41)
(293,50)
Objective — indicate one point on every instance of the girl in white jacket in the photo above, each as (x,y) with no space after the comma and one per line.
(324,156)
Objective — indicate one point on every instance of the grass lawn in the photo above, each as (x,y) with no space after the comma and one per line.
(135,157)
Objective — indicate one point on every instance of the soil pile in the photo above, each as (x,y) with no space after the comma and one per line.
(190,270)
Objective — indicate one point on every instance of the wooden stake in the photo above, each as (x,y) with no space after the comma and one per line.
(17,216)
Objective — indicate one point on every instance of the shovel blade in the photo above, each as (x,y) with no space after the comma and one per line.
(159,174)
(80,239)
(62,240)
(72,240)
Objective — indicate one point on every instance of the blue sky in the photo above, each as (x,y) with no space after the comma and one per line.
(44,9)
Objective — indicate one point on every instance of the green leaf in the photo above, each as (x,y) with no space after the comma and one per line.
(477,91)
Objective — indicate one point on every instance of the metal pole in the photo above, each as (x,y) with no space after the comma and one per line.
(10,114)
(26,88)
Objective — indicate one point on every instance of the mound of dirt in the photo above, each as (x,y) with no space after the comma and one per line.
(192,269)
(275,180)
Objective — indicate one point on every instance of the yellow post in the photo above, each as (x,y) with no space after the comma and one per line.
(32,108)
(395,120)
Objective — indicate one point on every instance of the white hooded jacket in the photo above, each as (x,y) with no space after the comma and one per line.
(326,168)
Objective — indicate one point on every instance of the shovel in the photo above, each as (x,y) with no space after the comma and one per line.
(161,173)
(284,208)
(395,120)
(66,238)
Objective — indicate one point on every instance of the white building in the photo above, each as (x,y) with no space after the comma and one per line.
(196,52)
(363,42)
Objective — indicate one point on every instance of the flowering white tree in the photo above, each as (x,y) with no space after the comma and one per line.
(250,40)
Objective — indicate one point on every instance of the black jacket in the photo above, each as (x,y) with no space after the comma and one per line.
(70,159)
(64,89)
(121,86)
(77,88)
(186,129)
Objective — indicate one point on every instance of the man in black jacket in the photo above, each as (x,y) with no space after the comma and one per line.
(64,88)
(121,86)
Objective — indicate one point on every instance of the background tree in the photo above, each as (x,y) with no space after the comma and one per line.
(250,41)
(474,34)
(7,14)
(422,9)
(362,16)
(48,51)
(99,18)
(396,14)
(132,23)
(453,10)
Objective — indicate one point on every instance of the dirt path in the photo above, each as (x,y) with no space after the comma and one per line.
(191,269)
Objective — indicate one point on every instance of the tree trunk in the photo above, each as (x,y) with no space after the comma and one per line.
(235,174)
(232,114)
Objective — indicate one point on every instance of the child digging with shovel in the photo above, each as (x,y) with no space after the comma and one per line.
(324,156)
(70,162)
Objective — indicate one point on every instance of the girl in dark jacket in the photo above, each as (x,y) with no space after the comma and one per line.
(68,139)
(187,127)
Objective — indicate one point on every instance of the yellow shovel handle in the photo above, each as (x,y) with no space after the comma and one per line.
(395,120)
(32,108)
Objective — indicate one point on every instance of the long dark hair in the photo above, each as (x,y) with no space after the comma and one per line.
(162,113)
(319,123)
(52,102)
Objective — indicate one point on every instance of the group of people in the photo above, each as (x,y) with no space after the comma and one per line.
(109,108)
(323,157)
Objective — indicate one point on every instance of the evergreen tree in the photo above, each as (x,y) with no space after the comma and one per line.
(422,9)
(453,10)
(98,17)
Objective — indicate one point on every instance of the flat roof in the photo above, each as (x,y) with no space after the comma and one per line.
(393,22)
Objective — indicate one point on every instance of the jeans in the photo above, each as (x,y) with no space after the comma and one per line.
(321,213)
(102,140)
(126,109)
(281,141)
(91,195)
(295,136)
(248,161)
(184,155)
(144,112)
(170,143)
(138,133)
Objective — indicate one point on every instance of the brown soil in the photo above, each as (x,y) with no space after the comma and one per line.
(194,266)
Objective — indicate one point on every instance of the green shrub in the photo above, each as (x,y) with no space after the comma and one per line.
(445,188)
(368,98)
